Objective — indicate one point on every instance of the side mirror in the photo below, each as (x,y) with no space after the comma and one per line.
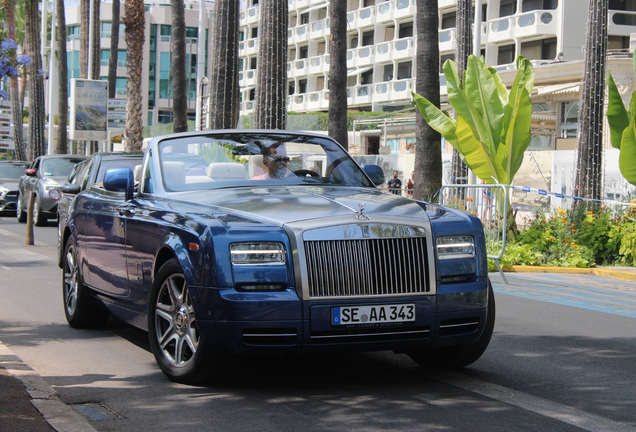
(30,172)
(375,173)
(71,189)
(120,180)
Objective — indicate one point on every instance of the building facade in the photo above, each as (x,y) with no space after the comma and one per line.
(381,41)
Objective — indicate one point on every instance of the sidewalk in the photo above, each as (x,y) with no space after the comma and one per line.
(29,404)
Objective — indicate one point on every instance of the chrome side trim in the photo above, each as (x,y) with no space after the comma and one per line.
(371,334)
(459,325)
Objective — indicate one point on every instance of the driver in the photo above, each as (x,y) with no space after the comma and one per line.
(275,160)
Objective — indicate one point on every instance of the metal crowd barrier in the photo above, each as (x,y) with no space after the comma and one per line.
(490,204)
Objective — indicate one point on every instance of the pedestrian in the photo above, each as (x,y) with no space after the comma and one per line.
(410,184)
(395,184)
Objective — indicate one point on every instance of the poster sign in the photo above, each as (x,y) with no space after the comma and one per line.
(89,104)
(6,140)
(116,115)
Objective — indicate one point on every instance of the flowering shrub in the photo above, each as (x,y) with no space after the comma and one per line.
(10,63)
(578,238)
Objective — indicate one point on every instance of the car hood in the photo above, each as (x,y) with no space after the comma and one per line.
(11,185)
(286,204)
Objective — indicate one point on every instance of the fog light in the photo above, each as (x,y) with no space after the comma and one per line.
(54,193)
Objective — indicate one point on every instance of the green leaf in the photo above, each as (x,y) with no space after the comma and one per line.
(617,116)
(627,157)
(517,134)
(477,158)
(501,87)
(481,89)
(464,106)
(436,118)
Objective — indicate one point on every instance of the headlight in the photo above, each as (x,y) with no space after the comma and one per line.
(451,247)
(257,253)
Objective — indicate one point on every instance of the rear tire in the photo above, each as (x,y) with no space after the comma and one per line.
(456,357)
(19,211)
(80,309)
(173,332)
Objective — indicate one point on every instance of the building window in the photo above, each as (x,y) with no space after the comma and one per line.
(291,88)
(387,75)
(165,117)
(302,86)
(104,57)
(368,38)
(406,30)
(507,8)
(405,70)
(303,52)
(304,18)
(192,32)
(506,54)
(449,20)
(366,77)
(120,86)
(254,32)
(253,63)
(443,59)
(252,94)
(165,89)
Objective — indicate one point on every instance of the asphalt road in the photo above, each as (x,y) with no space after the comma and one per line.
(562,358)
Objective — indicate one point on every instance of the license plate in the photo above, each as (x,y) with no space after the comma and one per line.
(377,314)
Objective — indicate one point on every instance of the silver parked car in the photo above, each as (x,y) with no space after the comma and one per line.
(10,173)
(44,177)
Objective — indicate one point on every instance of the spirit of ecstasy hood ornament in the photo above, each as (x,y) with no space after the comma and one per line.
(360,215)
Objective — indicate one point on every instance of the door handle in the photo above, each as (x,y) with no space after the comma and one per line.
(126,211)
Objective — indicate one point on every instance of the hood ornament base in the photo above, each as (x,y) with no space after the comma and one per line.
(360,214)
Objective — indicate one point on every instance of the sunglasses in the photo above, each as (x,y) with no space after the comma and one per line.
(281,159)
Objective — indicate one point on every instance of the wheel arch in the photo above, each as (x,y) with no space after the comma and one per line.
(173,247)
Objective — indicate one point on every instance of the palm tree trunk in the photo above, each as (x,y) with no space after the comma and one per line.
(271,87)
(16,106)
(62,103)
(36,83)
(179,66)
(338,129)
(224,77)
(459,170)
(114,50)
(85,9)
(590,149)
(428,154)
(135,24)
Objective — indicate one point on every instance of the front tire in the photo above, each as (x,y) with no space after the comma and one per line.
(79,308)
(19,211)
(38,218)
(456,357)
(173,332)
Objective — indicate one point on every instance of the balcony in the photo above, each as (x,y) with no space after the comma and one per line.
(538,22)
(621,23)
(362,56)
(502,29)
(447,40)
(252,15)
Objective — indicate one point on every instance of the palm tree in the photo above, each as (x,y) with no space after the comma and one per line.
(590,149)
(16,106)
(271,87)
(179,82)
(62,73)
(428,154)
(224,77)
(135,23)
(36,83)
(85,19)
(95,48)
(114,51)
(459,170)
(338,73)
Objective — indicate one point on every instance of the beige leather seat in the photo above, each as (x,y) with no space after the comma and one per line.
(221,171)
(174,175)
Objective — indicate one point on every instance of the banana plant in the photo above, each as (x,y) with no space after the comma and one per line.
(622,124)
(491,130)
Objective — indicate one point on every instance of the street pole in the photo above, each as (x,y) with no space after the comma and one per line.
(53,83)
(200,63)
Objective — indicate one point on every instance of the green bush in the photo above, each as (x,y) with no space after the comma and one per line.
(575,238)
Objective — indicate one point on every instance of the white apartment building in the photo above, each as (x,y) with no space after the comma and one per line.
(381,58)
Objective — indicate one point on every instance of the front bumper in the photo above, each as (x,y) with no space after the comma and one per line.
(235,323)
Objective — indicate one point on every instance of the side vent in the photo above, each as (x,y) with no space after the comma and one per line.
(270,337)
(458,327)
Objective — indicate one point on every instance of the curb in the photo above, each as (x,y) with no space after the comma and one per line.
(617,274)
(58,415)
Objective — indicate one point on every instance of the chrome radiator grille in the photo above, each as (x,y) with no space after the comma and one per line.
(370,267)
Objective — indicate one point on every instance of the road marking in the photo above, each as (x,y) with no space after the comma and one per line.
(546,408)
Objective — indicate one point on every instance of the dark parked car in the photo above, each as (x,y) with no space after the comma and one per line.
(10,173)
(90,172)
(44,177)
(244,243)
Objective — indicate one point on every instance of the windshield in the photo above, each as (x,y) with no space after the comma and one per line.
(59,167)
(12,171)
(108,164)
(255,159)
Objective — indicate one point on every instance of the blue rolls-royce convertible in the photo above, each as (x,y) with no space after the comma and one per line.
(246,243)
